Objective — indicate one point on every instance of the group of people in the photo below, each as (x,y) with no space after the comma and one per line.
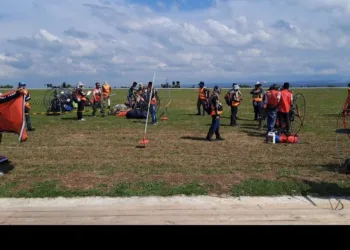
(139,98)
(275,104)
(100,95)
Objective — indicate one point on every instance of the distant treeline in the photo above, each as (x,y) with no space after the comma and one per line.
(6,86)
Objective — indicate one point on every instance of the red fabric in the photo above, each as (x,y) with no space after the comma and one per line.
(12,114)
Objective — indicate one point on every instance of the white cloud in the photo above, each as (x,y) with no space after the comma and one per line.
(124,40)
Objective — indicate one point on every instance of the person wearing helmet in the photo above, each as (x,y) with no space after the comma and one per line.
(216,111)
(233,99)
(106,89)
(257,98)
(22,87)
(80,98)
(203,95)
(271,101)
(131,95)
(97,100)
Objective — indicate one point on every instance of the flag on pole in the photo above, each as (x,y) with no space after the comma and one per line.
(144,140)
(12,114)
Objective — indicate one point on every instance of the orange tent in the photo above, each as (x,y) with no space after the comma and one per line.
(12,114)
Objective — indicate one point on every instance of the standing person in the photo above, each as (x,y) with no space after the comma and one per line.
(22,87)
(80,98)
(131,95)
(271,102)
(233,99)
(106,88)
(257,98)
(203,95)
(153,105)
(216,111)
(97,99)
(285,108)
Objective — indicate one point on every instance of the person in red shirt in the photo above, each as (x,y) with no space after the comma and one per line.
(271,101)
(284,108)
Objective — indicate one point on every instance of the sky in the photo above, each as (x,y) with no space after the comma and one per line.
(121,41)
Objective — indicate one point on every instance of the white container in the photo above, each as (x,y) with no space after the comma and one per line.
(271,137)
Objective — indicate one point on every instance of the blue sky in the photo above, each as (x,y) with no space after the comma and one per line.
(121,41)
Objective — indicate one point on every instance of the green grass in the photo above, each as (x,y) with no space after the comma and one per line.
(100,157)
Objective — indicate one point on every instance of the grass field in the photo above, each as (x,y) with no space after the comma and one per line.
(64,157)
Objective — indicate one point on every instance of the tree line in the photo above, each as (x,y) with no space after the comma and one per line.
(6,86)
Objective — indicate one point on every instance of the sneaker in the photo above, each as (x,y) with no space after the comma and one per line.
(82,120)
(209,139)
(31,129)
(220,139)
(154,123)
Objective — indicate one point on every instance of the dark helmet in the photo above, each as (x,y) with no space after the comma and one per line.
(134,84)
(349,85)
(97,83)
(21,84)
(217,89)
(201,84)
(274,86)
(233,84)
(286,85)
(150,83)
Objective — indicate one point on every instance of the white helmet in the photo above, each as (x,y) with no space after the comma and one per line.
(236,87)
(80,84)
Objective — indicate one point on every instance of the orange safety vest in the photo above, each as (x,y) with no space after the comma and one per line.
(257,97)
(83,98)
(106,90)
(286,101)
(272,98)
(213,109)
(97,95)
(202,95)
(153,100)
(235,103)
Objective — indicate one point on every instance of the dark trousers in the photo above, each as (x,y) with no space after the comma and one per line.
(214,128)
(234,111)
(284,120)
(28,121)
(81,106)
(96,106)
(257,110)
(200,103)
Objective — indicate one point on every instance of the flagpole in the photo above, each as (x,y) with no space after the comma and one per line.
(24,117)
(144,140)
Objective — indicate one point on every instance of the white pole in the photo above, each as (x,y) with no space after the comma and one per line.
(24,117)
(149,102)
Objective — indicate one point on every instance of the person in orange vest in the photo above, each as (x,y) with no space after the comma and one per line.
(284,108)
(257,98)
(203,95)
(80,98)
(234,98)
(216,111)
(97,99)
(22,87)
(106,88)
(271,101)
(153,104)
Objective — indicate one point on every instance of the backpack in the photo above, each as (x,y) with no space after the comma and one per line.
(74,96)
(228,98)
